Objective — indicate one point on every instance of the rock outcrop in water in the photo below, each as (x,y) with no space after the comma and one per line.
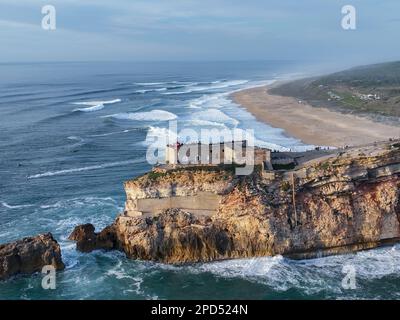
(87,240)
(29,255)
(342,202)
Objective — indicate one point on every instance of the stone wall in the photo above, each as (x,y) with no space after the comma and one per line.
(205,203)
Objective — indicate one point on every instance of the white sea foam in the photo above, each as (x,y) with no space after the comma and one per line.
(113,133)
(159,134)
(216,115)
(155,134)
(100,221)
(157,131)
(154,115)
(193,106)
(74,170)
(77,144)
(151,90)
(119,272)
(99,213)
(227,84)
(94,105)
(131,278)
(252,267)
(218,110)
(167,83)
(9,206)
(149,83)
(212,86)
(230,113)
(216,100)
(198,122)
(78,202)
(51,206)
(310,276)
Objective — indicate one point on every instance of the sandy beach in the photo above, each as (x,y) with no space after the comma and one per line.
(317,126)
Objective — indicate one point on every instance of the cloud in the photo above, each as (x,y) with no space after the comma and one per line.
(29,42)
(193,30)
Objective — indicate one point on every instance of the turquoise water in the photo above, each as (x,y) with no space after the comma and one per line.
(71,133)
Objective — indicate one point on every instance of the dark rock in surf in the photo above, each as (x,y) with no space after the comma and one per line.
(88,240)
(29,255)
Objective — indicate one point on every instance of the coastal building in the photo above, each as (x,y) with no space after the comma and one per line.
(217,154)
(367,97)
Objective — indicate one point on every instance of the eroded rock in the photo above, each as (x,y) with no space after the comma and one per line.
(87,240)
(29,255)
(344,202)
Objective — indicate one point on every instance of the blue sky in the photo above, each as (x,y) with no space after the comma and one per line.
(137,30)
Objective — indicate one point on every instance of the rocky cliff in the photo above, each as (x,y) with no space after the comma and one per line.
(341,202)
(29,255)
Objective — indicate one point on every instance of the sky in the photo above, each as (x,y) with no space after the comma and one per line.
(199,30)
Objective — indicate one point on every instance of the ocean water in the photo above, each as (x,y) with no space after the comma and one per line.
(71,133)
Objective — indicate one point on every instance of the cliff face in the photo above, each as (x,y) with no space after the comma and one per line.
(343,202)
(179,183)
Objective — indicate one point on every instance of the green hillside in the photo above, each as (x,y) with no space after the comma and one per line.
(373,89)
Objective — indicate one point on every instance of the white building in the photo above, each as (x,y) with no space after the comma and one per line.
(218,153)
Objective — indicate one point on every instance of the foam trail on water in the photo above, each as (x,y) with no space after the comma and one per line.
(180,83)
(199,122)
(151,90)
(310,276)
(77,144)
(154,115)
(219,107)
(8,206)
(94,167)
(149,83)
(212,86)
(94,105)
(113,133)
(157,131)
(216,115)
(216,100)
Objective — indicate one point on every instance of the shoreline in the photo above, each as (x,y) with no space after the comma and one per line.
(312,125)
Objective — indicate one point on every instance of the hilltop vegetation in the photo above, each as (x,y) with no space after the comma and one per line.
(373,90)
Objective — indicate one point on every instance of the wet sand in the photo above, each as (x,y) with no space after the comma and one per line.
(317,126)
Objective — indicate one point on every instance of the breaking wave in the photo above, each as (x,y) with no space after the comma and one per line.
(155,134)
(80,141)
(209,101)
(205,123)
(94,105)
(94,167)
(9,206)
(151,90)
(149,83)
(314,276)
(216,115)
(212,86)
(167,83)
(113,133)
(154,115)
